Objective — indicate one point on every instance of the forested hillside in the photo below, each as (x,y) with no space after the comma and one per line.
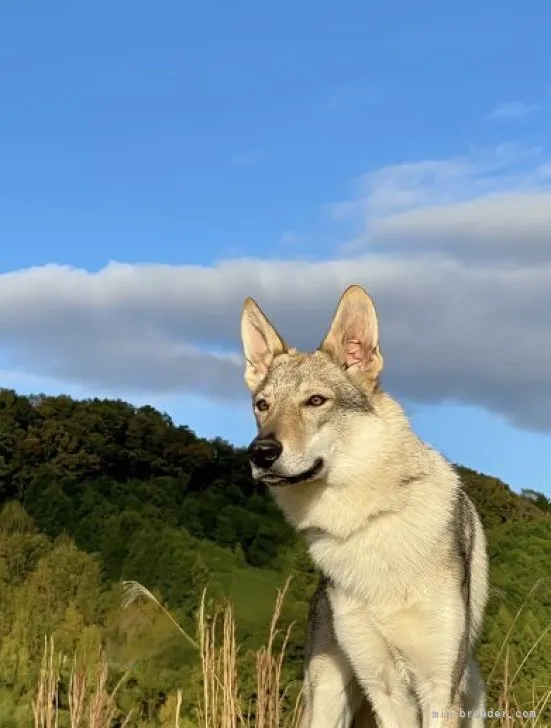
(94,492)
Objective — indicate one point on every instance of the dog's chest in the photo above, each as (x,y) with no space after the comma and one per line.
(372,564)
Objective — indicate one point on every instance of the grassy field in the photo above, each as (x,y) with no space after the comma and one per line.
(92,699)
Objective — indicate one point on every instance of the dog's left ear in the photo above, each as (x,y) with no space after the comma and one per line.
(353,339)
(261,343)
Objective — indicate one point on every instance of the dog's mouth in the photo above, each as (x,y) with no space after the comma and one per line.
(278,480)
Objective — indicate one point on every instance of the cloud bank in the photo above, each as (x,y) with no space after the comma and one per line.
(456,253)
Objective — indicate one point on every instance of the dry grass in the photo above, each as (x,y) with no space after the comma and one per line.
(222,704)
(508,704)
(133,591)
(46,702)
(221,701)
(512,711)
(91,705)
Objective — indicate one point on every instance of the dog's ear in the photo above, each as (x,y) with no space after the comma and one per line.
(353,339)
(261,343)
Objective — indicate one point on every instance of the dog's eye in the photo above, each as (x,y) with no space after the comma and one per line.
(316,400)
(262,405)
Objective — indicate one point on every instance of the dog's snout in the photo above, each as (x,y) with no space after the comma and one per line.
(264,451)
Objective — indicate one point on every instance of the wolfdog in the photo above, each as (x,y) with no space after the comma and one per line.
(398,542)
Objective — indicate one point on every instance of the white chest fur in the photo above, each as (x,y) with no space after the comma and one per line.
(372,564)
(374,546)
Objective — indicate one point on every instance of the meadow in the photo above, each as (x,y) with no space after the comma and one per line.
(145,581)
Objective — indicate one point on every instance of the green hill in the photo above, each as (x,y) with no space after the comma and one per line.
(94,492)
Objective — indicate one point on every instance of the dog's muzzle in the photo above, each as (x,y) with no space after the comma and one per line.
(264,453)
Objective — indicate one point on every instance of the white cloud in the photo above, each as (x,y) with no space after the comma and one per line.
(455,324)
(403,187)
(513,226)
(514,110)
(486,205)
(449,330)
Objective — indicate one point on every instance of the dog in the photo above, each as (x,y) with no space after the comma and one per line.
(398,542)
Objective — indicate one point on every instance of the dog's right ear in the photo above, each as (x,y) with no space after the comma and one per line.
(261,343)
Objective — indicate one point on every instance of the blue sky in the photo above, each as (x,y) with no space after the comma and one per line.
(282,151)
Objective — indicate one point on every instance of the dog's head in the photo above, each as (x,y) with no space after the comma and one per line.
(306,404)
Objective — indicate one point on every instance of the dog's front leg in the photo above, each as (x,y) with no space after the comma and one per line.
(332,695)
(469,699)
(384,684)
(439,659)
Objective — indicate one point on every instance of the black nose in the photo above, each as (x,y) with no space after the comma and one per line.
(264,452)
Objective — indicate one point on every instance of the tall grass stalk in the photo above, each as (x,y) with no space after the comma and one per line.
(90,705)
